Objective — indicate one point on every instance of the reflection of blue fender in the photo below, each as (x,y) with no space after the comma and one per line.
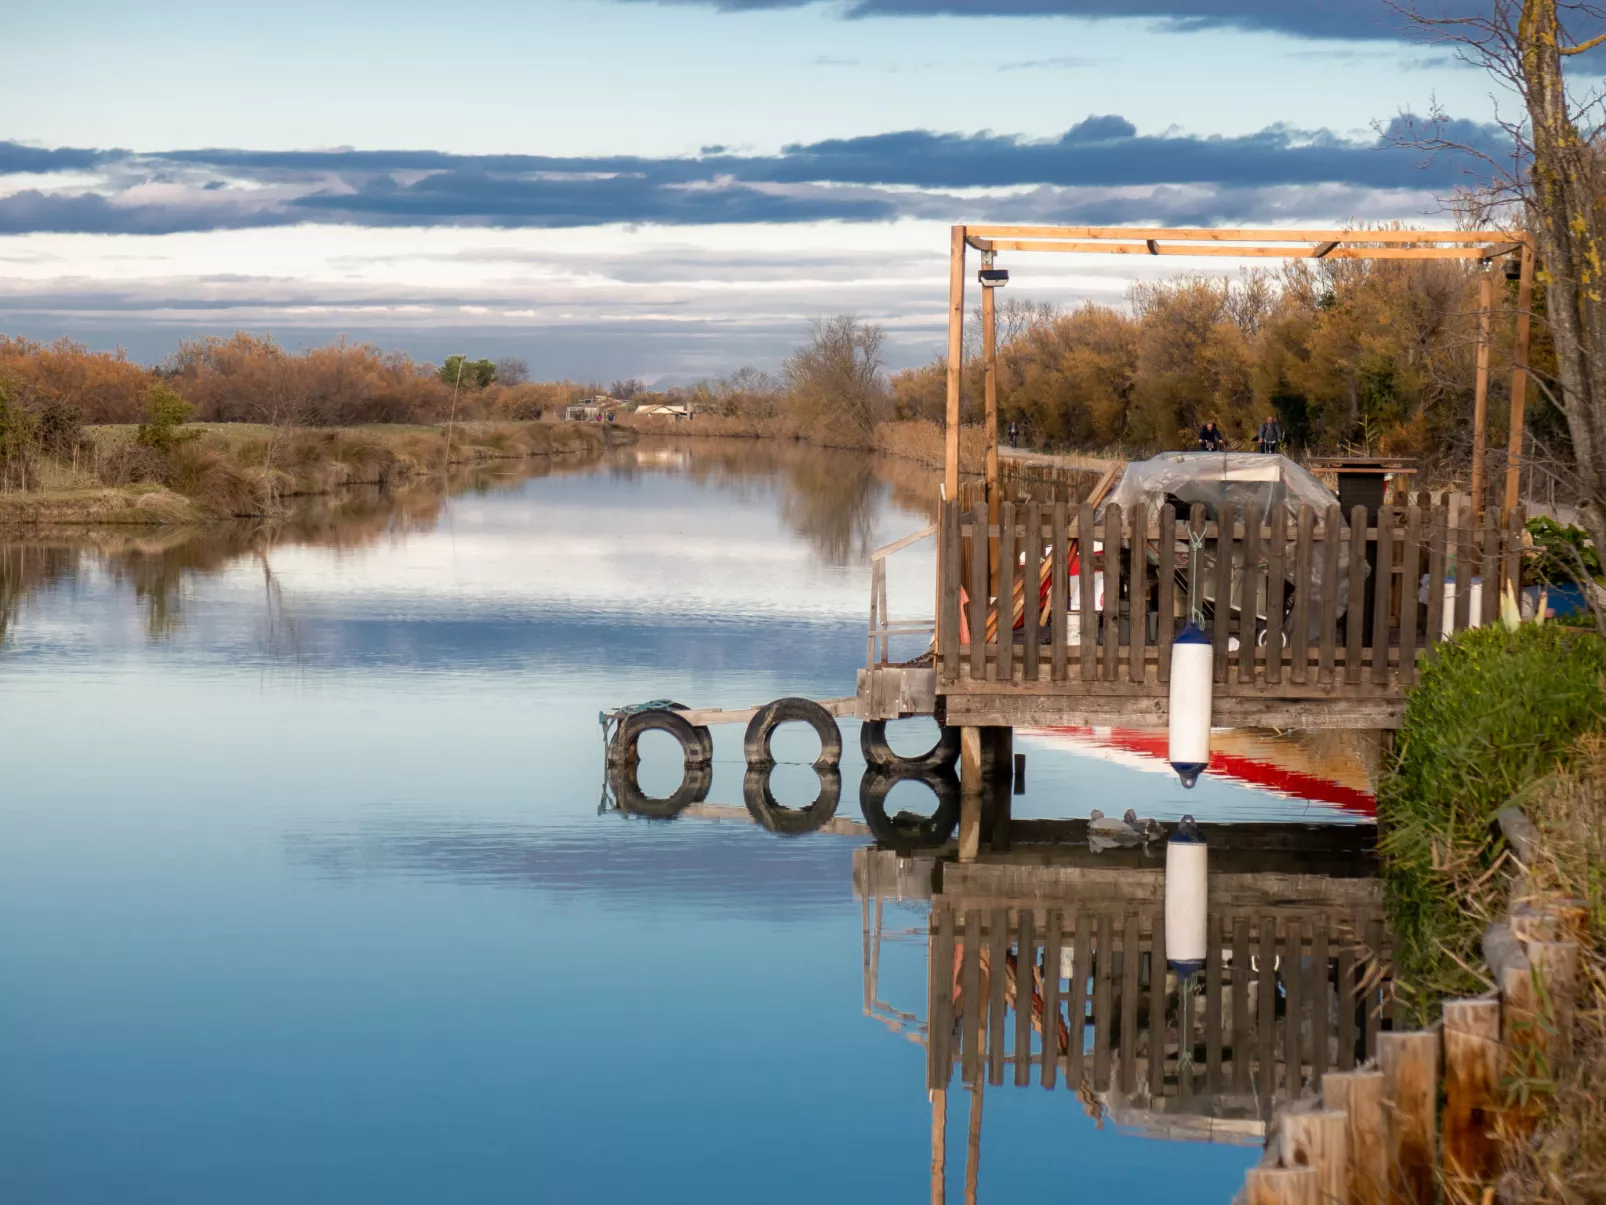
(627,792)
(907,830)
(696,743)
(881,756)
(756,744)
(790,822)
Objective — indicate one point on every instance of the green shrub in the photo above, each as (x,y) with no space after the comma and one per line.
(165,413)
(1561,554)
(1494,713)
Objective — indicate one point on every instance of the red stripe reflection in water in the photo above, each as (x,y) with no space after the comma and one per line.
(1251,772)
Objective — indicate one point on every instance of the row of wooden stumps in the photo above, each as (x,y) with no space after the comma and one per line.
(1377,1136)
(986,775)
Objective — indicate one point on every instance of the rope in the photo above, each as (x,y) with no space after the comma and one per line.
(1196,546)
(610,718)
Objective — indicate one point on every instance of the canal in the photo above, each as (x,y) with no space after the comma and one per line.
(311,889)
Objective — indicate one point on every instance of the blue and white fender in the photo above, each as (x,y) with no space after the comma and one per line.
(1191,674)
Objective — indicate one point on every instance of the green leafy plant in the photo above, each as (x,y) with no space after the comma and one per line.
(165,415)
(1561,553)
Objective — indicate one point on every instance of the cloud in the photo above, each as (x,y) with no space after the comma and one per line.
(877,177)
(1346,19)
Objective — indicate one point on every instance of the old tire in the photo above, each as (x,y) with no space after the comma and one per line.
(696,743)
(694,784)
(771,716)
(908,831)
(791,822)
(879,755)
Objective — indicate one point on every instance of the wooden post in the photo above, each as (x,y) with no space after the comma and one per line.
(1519,378)
(1282,1186)
(1471,1078)
(1556,972)
(989,363)
(1480,391)
(939,1145)
(1320,1140)
(970,788)
(1410,1063)
(973,1144)
(1359,1096)
(956,352)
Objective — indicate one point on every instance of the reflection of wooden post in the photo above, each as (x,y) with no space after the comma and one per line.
(1410,1063)
(1359,1096)
(1480,393)
(956,351)
(1519,374)
(973,1144)
(939,1144)
(970,788)
(1471,1077)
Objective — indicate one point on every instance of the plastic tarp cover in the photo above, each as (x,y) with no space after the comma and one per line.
(1231,480)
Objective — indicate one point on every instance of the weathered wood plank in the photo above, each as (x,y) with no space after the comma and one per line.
(1345,992)
(1471,1084)
(1299,635)
(1320,1014)
(1166,590)
(1058,616)
(1214,932)
(1410,1066)
(1382,589)
(1112,591)
(1465,569)
(1138,592)
(1319,1139)
(1359,1096)
(949,590)
(1511,573)
(1031,593)
(1371,998)
(1276,587)
(1267,1185)
(1332,545)
(1088,616)
(1410,587)
(1438,531)
(1005,627)
(1221,619)
(1266,1010)
(1249,593)
(978,593)
(1355,604)
(1489,565)
(1294,1006)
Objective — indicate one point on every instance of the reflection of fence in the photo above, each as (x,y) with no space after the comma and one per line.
(1288,992)
(1323,619)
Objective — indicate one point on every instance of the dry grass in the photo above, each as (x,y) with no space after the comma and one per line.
(227,470)
(1564,1162)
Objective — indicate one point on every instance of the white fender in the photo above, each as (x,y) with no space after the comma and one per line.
(1191,673)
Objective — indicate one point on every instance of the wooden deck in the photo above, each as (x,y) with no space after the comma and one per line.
(1289,652)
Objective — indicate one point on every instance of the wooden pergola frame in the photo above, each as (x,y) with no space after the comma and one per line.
(1481,245)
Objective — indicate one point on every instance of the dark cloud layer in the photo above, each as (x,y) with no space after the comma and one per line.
(868,178)
(1348,19)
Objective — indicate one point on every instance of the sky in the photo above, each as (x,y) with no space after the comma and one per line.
(666,190)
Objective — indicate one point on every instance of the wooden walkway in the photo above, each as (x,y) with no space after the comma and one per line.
(1290,651)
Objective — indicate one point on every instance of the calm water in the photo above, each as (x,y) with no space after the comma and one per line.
(305,894)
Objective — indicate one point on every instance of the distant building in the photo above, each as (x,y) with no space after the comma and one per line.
(592,409)
(668,410)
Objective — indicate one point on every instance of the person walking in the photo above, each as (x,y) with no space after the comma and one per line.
(1014,433)
(1210,437)
(1270,436)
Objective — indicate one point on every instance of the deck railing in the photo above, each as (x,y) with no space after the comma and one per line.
(1264,589)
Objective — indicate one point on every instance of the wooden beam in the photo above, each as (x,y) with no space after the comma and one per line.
(1324,249)
(1233,250)
(1210,235)
(989,363)
(1519,376)
(1500,249)
(956,351)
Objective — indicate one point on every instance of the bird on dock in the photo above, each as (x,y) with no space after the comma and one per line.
(1106,832)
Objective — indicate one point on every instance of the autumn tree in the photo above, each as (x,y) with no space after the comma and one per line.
(836,376)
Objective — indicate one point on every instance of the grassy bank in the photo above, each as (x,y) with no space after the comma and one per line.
(1506,717)
(205,471)
(913,439)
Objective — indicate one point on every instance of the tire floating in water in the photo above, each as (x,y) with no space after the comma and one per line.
(879,755)
(696,742)
(756,745)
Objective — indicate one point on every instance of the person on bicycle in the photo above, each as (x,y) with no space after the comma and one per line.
(1210,437)
(1270,436)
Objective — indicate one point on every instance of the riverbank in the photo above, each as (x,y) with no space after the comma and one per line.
(213,471)
(912,439)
